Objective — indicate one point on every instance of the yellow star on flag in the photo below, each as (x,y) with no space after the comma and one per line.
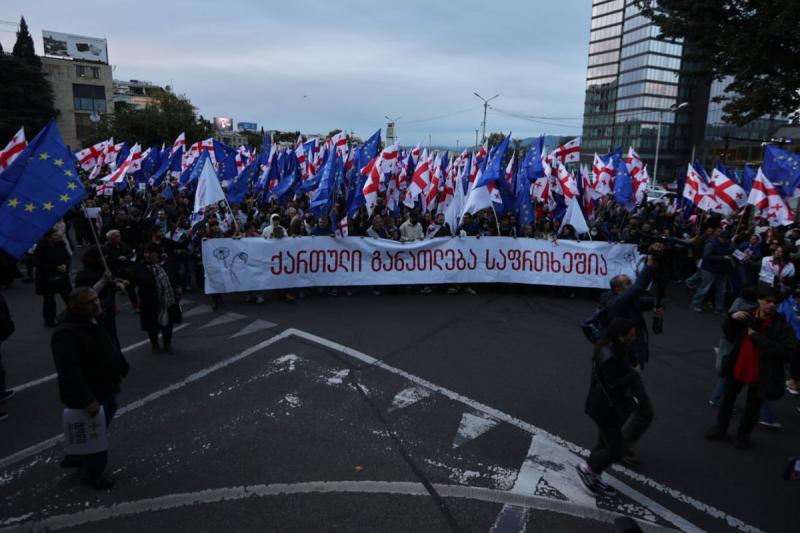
(30,207)
(13,202)
(48,206)
(68,173)
(44,156)
(58,162)
(64,198)
(71,186)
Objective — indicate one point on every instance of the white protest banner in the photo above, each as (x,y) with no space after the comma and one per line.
(83,434)
(252,264)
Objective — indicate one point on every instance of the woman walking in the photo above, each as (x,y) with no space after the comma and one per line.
(609,402)
(158,301)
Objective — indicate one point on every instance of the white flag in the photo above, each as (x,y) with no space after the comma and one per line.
(209,191)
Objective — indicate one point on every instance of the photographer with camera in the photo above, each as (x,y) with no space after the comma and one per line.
(628,299)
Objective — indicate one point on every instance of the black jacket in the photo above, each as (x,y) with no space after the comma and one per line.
(90,365)
(609,400)
(149,305)
(47,257)
(776,347)
(630,304)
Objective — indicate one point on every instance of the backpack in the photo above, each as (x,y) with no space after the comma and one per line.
(594,327)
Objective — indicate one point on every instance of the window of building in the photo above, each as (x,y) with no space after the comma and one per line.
(605,33)
(607,20)
(605,70)
(89,97)
(601,8)
(95,72)
(604,46)
(639,34)
(608,57)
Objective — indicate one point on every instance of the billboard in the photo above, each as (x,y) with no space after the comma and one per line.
(74,46)
(223,123)
(247,126)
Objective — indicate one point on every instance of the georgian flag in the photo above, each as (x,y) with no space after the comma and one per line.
(568,153)
(766,198)
(90,157)
(569,186)
(696,190)
(634,163)
(112,152)
(640,184)
(509,175)
(603,178)
(127,166)
(180,142)
(342,230)
(432,190)
(419,181)
(12,150)
(729,196)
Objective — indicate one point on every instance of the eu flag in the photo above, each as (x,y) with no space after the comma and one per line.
(48,187)
(782,168)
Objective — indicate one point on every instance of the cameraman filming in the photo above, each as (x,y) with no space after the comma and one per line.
(628,299)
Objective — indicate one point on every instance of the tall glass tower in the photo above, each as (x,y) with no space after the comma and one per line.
(632,85)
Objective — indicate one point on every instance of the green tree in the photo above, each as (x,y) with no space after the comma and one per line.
(159,122)
(26,96)
(755,43)
(23,47)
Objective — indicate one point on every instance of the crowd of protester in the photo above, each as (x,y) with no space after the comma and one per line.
(151,248)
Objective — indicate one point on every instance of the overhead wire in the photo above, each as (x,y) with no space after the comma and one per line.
(537,121)
(439,117)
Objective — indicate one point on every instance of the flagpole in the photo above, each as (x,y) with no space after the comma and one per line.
(94,234)
(235,222)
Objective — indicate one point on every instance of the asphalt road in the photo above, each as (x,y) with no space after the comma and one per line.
(398,412)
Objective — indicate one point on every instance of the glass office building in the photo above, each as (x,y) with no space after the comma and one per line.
(632,84)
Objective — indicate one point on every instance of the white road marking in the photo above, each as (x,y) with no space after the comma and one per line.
(406,488)
(255,326)
(51,377)
(44,445)
(472,426)
(564,507)
(224,319)
(199,310)
(633,494)
(408,396)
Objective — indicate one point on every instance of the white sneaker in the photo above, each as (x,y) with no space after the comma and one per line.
(259,300)
(470,290)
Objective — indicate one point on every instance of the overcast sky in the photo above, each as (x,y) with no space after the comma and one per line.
(318,65)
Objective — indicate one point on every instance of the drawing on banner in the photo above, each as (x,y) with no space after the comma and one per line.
(223,254)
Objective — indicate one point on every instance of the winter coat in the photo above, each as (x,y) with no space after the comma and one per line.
(90,365)
(630,304)
(47,257)
(149,305)
(775,347)
(610,400)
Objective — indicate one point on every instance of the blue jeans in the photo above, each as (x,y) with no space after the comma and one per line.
(716,394)
(707,281)
(767,413)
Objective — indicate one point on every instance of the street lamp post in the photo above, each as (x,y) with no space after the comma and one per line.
(673,107)
(485,107)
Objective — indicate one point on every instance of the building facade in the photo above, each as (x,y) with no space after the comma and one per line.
(82,90)
(136,93)
(638,95)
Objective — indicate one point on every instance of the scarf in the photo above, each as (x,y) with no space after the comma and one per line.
(166,298)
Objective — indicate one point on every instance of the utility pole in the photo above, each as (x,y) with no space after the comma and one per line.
(476,140)
(485,107)
(429,143)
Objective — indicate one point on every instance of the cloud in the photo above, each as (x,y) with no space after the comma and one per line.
(315,66)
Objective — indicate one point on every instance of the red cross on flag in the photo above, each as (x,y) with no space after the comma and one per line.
(765,197)
(14,147)
(568,153)
(729,196)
